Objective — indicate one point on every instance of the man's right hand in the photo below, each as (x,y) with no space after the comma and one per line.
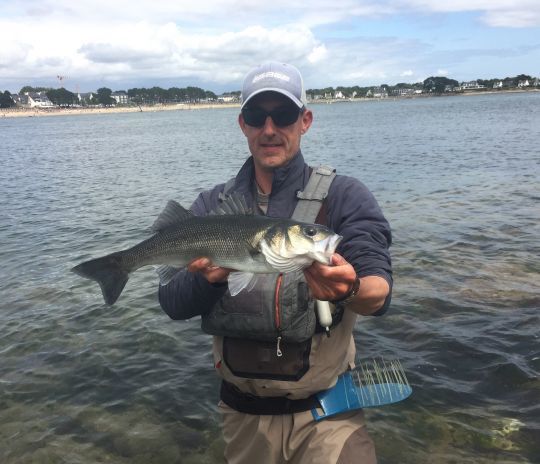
(211,273)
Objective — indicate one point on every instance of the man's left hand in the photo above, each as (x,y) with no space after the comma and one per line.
(333,282)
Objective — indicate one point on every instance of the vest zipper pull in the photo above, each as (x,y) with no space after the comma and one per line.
(279,353)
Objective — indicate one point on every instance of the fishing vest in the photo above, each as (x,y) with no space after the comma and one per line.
(277,316)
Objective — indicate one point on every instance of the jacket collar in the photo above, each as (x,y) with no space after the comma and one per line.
(287,181)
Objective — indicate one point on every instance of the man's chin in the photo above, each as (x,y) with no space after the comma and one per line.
(271,161)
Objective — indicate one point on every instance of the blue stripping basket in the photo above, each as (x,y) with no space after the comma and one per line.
(371,384)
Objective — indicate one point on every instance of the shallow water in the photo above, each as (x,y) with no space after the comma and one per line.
(457,177)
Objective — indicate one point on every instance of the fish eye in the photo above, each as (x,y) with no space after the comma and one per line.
(310,231)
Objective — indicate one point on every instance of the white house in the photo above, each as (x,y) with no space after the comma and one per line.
(38,100)
(377,92)
(403,92)
(227,98)
(85,97)
(524,83)
(472,85)
(498,85)
(17,98)
(120,97)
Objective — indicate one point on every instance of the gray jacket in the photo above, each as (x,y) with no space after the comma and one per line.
(351,211)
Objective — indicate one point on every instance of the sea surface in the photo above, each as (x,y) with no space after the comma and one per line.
(457,177)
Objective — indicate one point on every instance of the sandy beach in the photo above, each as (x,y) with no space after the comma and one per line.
(40,112)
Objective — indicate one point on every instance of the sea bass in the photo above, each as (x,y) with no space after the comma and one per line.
(231,237)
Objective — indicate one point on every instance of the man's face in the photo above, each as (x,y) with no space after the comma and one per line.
(273,146)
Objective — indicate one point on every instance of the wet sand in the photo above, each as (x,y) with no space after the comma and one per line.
(39,112)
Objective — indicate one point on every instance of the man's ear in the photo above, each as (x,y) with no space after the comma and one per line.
(241,123)
(307,120)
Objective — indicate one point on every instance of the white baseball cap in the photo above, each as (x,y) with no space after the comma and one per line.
(274,77)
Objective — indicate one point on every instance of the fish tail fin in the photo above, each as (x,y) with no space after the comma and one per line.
(108,272)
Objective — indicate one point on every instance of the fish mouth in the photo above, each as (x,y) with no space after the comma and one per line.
(326,248)
(333,242)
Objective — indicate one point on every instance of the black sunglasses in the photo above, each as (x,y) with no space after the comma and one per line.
(282,116)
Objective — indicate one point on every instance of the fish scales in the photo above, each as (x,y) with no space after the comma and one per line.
(226,240)
(242,242)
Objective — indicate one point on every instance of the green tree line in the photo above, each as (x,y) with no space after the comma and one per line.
(102,96)
(5,100)
(433,84)
(156,95)
(172,95)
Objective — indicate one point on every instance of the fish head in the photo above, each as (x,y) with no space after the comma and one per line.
(294,246)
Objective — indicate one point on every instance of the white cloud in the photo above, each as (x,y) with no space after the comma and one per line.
(318,54)
(157,50)
(235,13)
(216,41)
(495,13)
(516,19)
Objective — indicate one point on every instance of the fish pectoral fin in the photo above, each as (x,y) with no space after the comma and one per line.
(239,281)
(281,263)
(166,274)
(173,214)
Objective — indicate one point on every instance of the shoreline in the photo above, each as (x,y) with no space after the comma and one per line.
(44,112)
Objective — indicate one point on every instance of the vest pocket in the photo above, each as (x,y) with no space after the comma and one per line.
(256,359)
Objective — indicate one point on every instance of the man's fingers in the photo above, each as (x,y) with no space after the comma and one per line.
(199,264)
(211,272)
(330,282)
(338,260)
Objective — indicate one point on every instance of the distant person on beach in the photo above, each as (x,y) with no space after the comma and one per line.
(272,352)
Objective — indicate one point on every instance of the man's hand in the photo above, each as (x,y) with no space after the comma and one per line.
(335,282)
(332,282)
(213,274)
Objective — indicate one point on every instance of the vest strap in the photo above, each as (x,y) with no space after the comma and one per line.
(312,197)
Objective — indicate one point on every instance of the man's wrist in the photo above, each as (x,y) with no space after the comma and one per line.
(355,288)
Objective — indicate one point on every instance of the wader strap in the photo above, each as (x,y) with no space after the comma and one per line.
(312,197)
(270,406)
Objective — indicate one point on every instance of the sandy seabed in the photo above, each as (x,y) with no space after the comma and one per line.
(39,112)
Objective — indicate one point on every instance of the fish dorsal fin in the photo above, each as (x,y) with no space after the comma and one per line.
(234,203)
(173,214)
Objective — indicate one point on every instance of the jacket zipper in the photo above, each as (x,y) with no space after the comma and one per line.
(277,315)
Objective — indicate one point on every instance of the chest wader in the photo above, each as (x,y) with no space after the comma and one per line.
(267,332)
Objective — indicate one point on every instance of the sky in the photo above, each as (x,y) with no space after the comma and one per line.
(83,45)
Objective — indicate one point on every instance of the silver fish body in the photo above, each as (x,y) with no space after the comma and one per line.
(233,239)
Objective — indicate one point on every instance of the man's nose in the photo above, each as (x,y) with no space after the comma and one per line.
(269,126)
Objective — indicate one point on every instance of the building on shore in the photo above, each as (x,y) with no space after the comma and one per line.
(471,85)
(121,97)
(34,100)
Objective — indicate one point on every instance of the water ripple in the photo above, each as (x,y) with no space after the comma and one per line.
(81,382)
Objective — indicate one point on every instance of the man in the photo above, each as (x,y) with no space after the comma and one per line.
(268,387)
